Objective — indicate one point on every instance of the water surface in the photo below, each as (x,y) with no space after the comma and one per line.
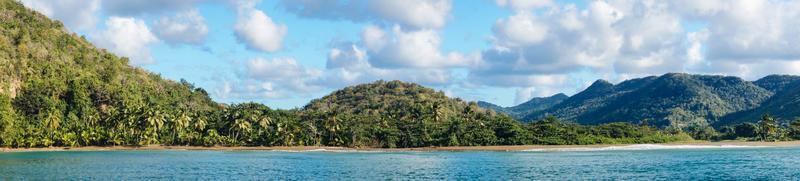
(660,164)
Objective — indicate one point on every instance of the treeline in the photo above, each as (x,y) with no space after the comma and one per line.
(768,128)
(253,124)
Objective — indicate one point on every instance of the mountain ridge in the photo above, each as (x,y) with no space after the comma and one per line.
(678,99)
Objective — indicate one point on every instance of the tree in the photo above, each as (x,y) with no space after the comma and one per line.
(794,129)
(768,127)
(241,126)
(746,130)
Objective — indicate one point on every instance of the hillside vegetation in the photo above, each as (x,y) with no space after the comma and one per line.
(534,105)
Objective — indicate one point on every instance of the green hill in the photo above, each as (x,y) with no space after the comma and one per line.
(534,105)
(670,99)
(784,106)
(55,85)
(777,83)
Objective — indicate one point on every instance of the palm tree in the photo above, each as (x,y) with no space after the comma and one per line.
(264,122)
(52,122)
(154,122)
(437,112)
(331,124)
(181,123)
(768,126)
(239,126)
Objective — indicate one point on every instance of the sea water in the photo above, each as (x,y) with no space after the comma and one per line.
(639,162)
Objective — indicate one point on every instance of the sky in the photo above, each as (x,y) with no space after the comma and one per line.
(284,53)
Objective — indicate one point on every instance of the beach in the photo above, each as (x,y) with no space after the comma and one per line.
(692,144)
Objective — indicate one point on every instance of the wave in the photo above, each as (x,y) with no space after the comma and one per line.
(645,147)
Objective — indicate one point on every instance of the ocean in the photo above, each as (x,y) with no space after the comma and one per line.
(638,162)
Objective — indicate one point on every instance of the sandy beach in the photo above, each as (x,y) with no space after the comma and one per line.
(455,148)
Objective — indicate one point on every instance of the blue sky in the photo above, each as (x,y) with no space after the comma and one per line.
(284,53)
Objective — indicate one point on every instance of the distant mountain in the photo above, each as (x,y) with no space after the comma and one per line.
(776,83)
(534,105)
(784,105)
(490,106)
(671,99)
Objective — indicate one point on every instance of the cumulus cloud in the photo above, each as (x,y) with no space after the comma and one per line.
(420,14)
(404,43)
(410,49)
(129,37)
(138,7)
(79,14)
(748,30)
(184,28)
(347,65)
(258,32)
(347,56)
(623,38)
(277,77)
(414,13)
(520,30)
(524,5)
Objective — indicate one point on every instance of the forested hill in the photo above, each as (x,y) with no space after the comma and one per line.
(398,97)
(681,100)
(534,105)
(53,82)
(784,105)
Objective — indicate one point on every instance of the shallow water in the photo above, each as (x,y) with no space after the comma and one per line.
(641,164)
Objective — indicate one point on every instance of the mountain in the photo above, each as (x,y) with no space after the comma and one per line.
(671,99)
(534,105)
(784,105)
(490,106)
(776,83)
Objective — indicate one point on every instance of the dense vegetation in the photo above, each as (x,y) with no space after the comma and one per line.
(534,105)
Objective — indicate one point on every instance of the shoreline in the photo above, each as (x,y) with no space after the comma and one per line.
(453,148)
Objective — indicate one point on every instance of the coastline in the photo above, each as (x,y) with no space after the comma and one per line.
(454,148)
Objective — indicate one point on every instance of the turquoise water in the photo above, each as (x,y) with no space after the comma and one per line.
(668,164)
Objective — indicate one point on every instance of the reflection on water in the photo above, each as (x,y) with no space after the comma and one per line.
(681,164)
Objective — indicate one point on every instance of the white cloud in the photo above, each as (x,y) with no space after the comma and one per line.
(414,13)
(258,32)
(523,95)
(752,30)
(524,5)
(278,77)
(139,7)
(520,30)
(79,14)
(410,49)
(348,56)
(347,65)
(417,14)
(607,37)
(128,37)
(184,28)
